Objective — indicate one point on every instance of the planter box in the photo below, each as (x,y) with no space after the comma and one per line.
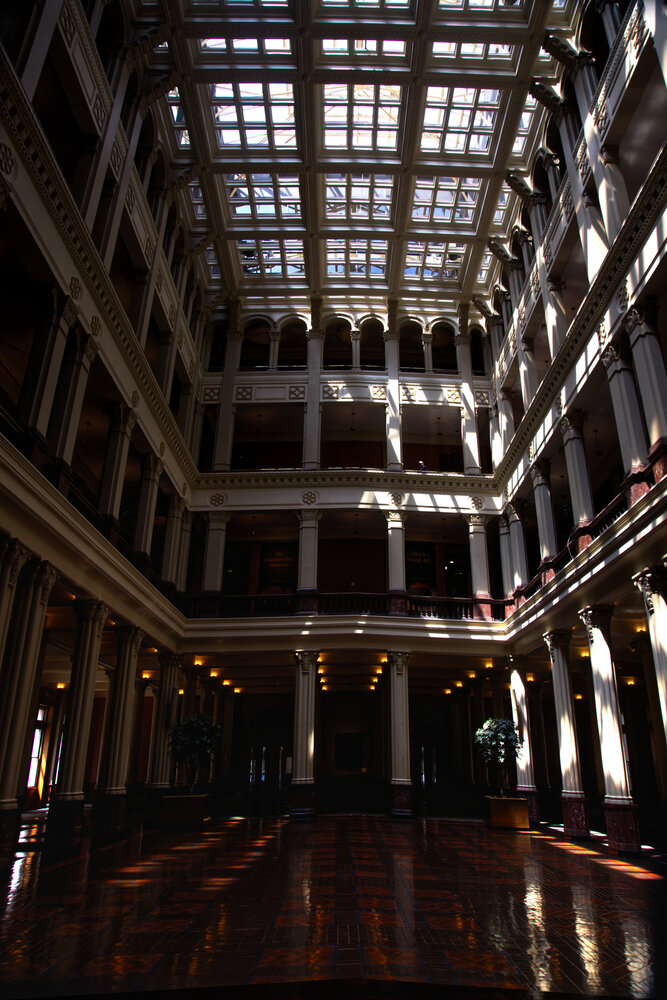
(509,814)
(184,812)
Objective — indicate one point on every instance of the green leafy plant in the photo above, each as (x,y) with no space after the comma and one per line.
(498,744)
(191,744)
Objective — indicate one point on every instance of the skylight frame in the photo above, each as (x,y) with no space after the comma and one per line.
(260,196)
(254,116)
(357,258)
(265,257)
(363,118)
(360,197)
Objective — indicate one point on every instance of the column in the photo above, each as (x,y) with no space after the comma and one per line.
(274,348)
(517,546)
(165,717)
(224,431)
(110,799)
(27,595)
(41,39)
(506,555)
(184,557)
(189,691)
(524,765)
(656,22)
(396,560)
(214,554)
(66,807)
(621,822)
(313,410)
(528,377)
(546,527)
(471,465)
(573,800)
(225,708)
(151,470)
(141,685)
(555,314)
(653,586)
(628,419)
(611,18)
(123,420)
(642,644)
(497,451)
(393,407)
(427,344)
(303,767)
(308,541)
(579,484)
(46,354)
(650,369)
(506,418)
(172,539)
(13,557)
(355,338)
(66,411)
(610,183)
(479,566)
(399,736)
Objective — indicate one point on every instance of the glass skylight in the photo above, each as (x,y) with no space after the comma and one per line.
(212,261)
(197,197)
(362,116)
(271,258)
(360,49)
(178,119)
(459,119)
(357,258)
(443,199)
(247,46)
(472,50)
(263,196)
(254,115)
(432,260)
(359,196)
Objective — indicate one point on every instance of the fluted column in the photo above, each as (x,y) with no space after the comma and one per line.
(151,470)
(313,409)
(627,416)
(506,418)
(583,510)
(427,345)
(307,572)
(123,420)
(546,527)
(524,766)
(46,354)
(224,431)
(573,800)
(396,558)
(66,412)
(355,340)
(303,767)
(517,546)
(652,381)
(652,583)
(399,712)
(172,538)
(479,565)
(66,808)
(393,406)
(619,808)
(274,347)
(506,555)
(469,439)
(214,554)
(556,315)
(165,717)
(184,557)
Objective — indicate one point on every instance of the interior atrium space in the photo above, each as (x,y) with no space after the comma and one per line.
(333,407)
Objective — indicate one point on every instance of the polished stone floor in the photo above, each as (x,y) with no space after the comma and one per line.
(363,900)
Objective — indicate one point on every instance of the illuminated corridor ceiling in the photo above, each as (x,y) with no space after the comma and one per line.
(351,150)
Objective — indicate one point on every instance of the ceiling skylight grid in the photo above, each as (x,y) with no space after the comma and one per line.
(272,258)
(178,118)
(247,47)
(432,260)
(459,120)
(197,198)
(357,258)
(445,199)
(361,117)
(260,196)
(254,115)
(353,197)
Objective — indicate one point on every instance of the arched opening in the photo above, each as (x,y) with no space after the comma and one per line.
(444,348)
(372,344)
(337,345)
(256,346)
(293,347)
(411,349)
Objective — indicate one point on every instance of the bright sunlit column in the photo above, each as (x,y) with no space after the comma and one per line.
(546,527)
(506,418)
(393,408)
(650,368)
(656,22)
(469,437)
(575,819)
(583,510)
(396,550)
(308,539)
(399,723)
(427,345)
(505,555)
(653,586)
(312,415)
(627,415)
(524,764)
(618,804)
(355,340)
(517,545)
(303,766)
(555,314)
(479,564)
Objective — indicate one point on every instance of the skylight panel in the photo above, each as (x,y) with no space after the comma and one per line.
(178,118)
(197,198)
(445,199)
(357,258)
(364,4)
(272,258)
(503,203)
(361,116)
(212,261)
(430,260)
(357,49)
(254,115)
(484,267)
(263,196)
(359,196)
(459,119)
(246,47)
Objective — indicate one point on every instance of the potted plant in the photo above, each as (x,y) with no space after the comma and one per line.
(191,743)
(499,744)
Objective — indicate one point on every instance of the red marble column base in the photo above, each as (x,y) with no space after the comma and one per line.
(64,825)
(622,830)
(10,823)
(575,818)
(108,818)
(307,602)
(302,805)
(635,484)
(581,538)
(530,795)
(657,456)
(398,602)
(400,800)
(482,609)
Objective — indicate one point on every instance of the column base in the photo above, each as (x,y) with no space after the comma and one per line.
(575,817)
(302,804)
(636,484)
(657,456)
(398,602)
(621,823)
(64,827)
(400,801)
(307,602)
(531,797)
(580,537)
(108,816)
(10,824)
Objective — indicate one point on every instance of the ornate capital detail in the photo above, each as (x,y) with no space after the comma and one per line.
(130,637)
(398,661)
(395,518)
(477,521)
(219,517)
(632,319)
(597,618)
(558,639)
(651,582)
(14,557)
(571,424)
(309,516)
(306,660)
(539,473)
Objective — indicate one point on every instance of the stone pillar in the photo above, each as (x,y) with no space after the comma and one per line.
(610,183)
(123,420)
(399,778)
(274,347)
(642,644)
(189,691)
(628,419)
(528,376)
(517,545)
(479,565)
(66,411)
(109,807)
(621,822)
(151,470)
(303,769)
(165,717)
(656,22)
(653,586)
(40,42)
(46,354)
(393,407)
(556,316)
(224,432)
(396,559)
(308,542)
(427,344)
(355,339)
(214,555)
(506,418)
(184,557)
(66,806)
(172,539)
(470,441)
(27,595)
(573,800)
(546,527)
(524,766)
(506,555)
(497,451)
(313,409)
(650,369)
(577,474)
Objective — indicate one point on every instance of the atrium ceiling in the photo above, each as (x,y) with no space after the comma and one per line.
(356,151)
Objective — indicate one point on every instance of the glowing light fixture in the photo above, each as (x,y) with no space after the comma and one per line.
(180,691)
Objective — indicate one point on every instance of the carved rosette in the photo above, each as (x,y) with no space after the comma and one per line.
(217,499)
